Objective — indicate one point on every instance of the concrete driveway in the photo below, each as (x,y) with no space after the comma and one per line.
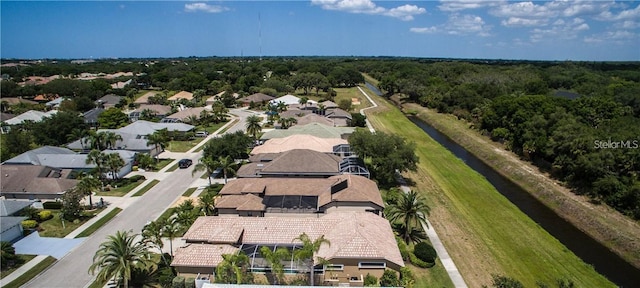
(55,247)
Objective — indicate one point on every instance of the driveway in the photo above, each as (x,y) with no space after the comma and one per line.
(36,245)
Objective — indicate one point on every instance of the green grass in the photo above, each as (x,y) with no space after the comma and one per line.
(172,168)
(211,127)
(146,188)
(163,162)
(24,278)
(167,213)
(22,259)
(435,276)
(233,122)
(484,233)
(120,191)
(54,227)
(182,146)
(189,191)
(95,226)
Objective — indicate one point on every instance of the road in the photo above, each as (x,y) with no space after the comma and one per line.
(72,269)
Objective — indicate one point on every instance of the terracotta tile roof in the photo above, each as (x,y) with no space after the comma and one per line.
(292,142)
(158,109)
(256,98)
(201,255)
(245,202)
(360,235)
(297,161)
(314,118)
(181,95)
(145,97)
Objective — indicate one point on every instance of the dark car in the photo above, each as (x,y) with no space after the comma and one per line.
(184,163)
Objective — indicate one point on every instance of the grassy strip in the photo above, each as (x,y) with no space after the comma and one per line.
(189,192)
(167,213)
(172,168)
(33,272)
(22,259)
(617,232)
(182,146)
(163,162)
(484,233)
(95,226)
(120,191)
(211,127)
(233,122)
(146,188)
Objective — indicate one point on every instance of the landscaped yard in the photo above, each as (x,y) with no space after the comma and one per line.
(54,227)
(162,163)
(182,146)
(24,278)
(120,191)
(22,259)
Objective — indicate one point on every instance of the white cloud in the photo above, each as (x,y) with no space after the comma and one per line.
(458,5)
(204,7)
(627,24)
(629,14)
(524,9)
(619,37)
(560,30)
(458,25)
(404,12)
(518,21)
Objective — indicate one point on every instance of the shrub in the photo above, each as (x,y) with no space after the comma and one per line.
(416,261)
(53,205)
(190,283)
(370,280)
(407,279)
(136,178)
(499,281)
(178,282)
(389,279)
(29,224)
(45,215)
(425,252)
(404,251)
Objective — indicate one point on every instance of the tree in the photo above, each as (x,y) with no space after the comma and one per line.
(87,185)
(205,164)
(303,101)
(234,145)
(275,259)
(308,250)
(16,142)
(115,163)
(119,256)
(8,254)
(71,208)
(110,139)
(148,115)
(99,159)
(79,134)
(54,130)
(234,268)
(345,104)
(358,120)
(499,281)
(158,139)
(112,118)
(207,202)
(227,165)
(285,123)
(389,279)
(411,210)
(253,126)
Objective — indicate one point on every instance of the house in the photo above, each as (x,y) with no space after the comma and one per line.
(144,128)
(329,104)
(6,116)
(160,111)
(144,99)
(10,223)
(15,100)
(55,103)
(339,117)
(286,99)
(91,116)
(181,95)
(260,197)
(186,114)
(313,129)
(257,99)
(31,115)
(34,182)
(292,163)
(108,101)
(361,243)
(45,97)
(277,145)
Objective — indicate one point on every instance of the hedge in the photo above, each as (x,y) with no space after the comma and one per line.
(29,224)
(190,283)
(425,252)
(178,282)
(53,205)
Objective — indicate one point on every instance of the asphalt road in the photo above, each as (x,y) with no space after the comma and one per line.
(72,269)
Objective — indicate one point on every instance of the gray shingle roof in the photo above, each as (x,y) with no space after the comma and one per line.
(9,207)
(142,127)
(7,223)
(31,157)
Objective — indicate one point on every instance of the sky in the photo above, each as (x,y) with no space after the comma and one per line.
(548,30)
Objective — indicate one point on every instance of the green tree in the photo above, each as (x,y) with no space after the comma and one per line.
(99,159)
(499,281)
(253,126)
(119,256)
(110,139)
(308,250)
(411,211)
(235,145)
(16,142)
(206,164)
(286,123)
(370,280)
(389,279)
(54,130)
(345,104)
(234,269)
(8,254)
(158,139)
(112,118)
(227,166)
(207,202)
(71,207)
(79,134)
(87,185)
(275,259)
(115,163)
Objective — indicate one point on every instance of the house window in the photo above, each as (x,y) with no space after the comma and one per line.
(372,265)
(334,267)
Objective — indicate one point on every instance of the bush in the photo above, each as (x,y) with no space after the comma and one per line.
(136,178)
(370,280)
(416,261)
(190,283)
(389,279)
(425,252)
(178,282)
(53,205)
(45,215)
(404,251)
(29,224)
(407,279)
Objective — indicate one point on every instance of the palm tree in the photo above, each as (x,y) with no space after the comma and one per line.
(411,210)
(153,232)
(207,203)
(204,116)
(172,230)
(308,250)
(192,119)
(275,259)
(87,185)
(79,133)
(281,107)
(205,164)
(115,163)
(253,126)
(119,256)
(147,114)
(287,122)
(321,109)
(158,139)
(227,165)
(234,266)
(97,158)
(8,254)
(110,139)
(97,140)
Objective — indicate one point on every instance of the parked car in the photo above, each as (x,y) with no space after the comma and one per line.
(184,163)
(202,134)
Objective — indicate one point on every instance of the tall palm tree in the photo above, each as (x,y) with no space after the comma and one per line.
(87,185)
(207,203)
(158,139)
(308,250)
(110,139)
(207,164)
(204,116)
(97,140)
(281,107)
(8,254)
(81,134)
(192,119)
(234,266)
(153,232)
(303,101)
(253,126)
(119,256)
(172,228)
(411,211)
(275,259)
(97,158)
(227,165)
(115,163)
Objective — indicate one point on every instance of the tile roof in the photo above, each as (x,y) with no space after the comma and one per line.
(314,129)
(286,99)
(31,115)
(91,116)
(181,95)
(142,127)
(16,100)
(256,98)
(109,100)
(31,156)
(360,235)
(337,113)
(277,145)
(329,104)
(158,109)
(297,161)
(33,178)
(186,113)
(244,202)
(314,118)
(145,97)
(201,255)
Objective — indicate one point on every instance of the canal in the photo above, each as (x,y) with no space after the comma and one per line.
(589,250)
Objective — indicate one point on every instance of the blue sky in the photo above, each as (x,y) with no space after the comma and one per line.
(549,30)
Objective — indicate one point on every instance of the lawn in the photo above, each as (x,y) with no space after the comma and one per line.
(146,188)
(24,278)
(172,168)
(120,191)
(483,232)
(95,226)
(212,127)
(182,146)
(55,227)
(162,163)
(22,259)
(189,191)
